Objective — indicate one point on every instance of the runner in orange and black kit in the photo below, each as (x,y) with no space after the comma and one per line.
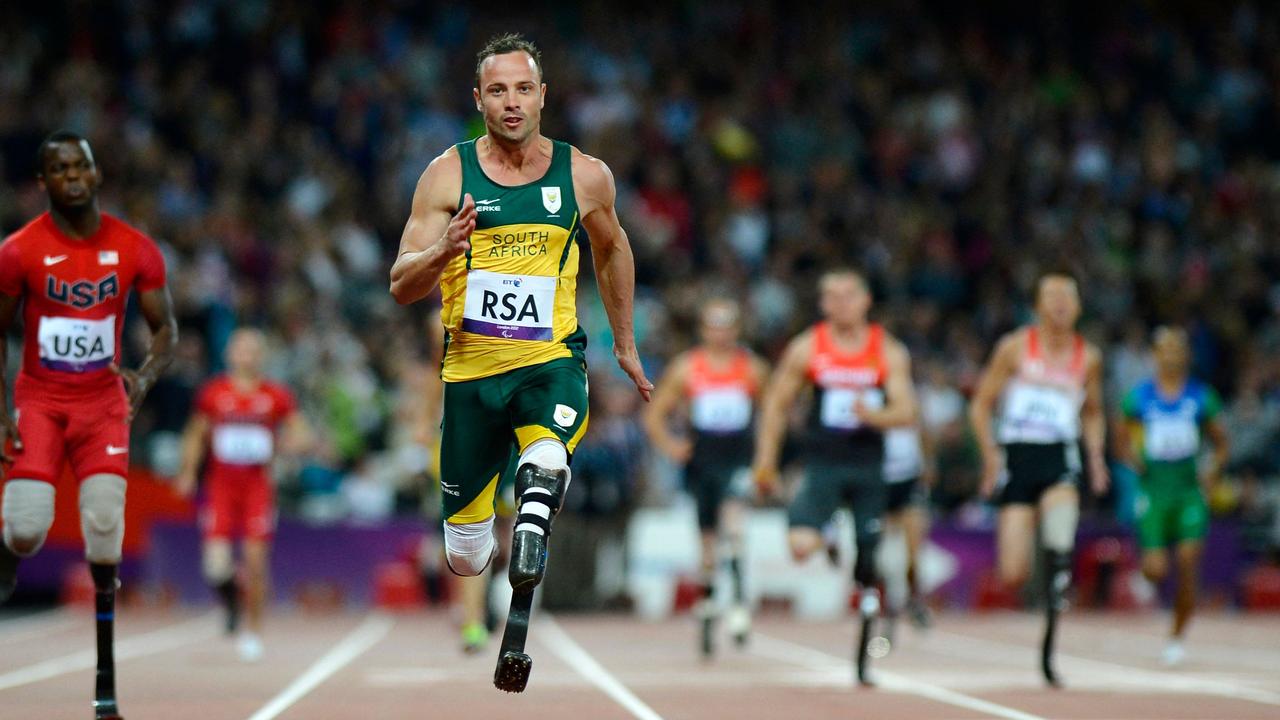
(71,269)
(717,384)
(238,416)
(1047,381)
(861,377)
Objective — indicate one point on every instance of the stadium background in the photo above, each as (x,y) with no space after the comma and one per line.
(951,154)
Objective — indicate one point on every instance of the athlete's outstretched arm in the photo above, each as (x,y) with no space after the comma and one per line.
(296,437)
(997,373)
(666,399)
(434,234)
(1093,423)
(157,309)
(8,427)
(900,393)
(195,437)
(787,382)
(614,264)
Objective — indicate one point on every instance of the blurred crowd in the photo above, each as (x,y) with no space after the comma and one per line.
(273,147)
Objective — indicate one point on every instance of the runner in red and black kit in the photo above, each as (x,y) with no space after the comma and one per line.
(71,269)
(861,377)
(717,384)
(238,417)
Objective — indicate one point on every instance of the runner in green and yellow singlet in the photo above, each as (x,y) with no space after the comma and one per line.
(495,224)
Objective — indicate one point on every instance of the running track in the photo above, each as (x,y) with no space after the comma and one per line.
(175,666)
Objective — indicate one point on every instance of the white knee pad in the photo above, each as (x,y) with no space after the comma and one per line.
(28,514)
(548,454)
(102,517)
(469,547)
(1058,526)
(217,562)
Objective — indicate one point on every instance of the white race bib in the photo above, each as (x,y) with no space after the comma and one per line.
(243,444)
(1171,437)
(518,307)
(722,410)
(1036,413)
(903,459)
(75,344)
(837,411)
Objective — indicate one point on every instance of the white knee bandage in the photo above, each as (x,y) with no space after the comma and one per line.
(1058,526)
(547,454)
(28,513)
(893,558)
(217,562)
(102,517)
(469,547)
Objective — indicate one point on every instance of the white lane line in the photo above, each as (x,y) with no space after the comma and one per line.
(550,633)
(786,651)
(22,628)
(1126,641)
(152,643)
(1173,681)
(356,643)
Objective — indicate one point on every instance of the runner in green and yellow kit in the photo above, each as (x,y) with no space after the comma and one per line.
(1168,419)
(495,224)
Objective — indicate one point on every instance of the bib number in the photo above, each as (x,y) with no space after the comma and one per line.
(837,411)
(1171,438)
(243,444)
(76,345)
(513,307)
(721,411)
(1040,413)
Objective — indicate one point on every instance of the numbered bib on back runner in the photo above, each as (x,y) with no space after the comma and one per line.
(1037,413)
(76,344)
(243,444)
(1170,437)
(838,406)
(516,307)
(721,410)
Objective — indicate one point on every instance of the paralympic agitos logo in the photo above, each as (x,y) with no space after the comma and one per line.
(82,294)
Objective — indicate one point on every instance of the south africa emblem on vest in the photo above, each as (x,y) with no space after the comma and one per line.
(551,199)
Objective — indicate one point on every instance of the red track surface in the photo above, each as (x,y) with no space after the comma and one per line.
(174,666)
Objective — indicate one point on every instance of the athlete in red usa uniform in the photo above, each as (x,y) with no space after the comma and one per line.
(71,269)
(238,417)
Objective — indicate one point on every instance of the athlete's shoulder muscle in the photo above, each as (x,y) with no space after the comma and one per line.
(441,182)
(593,184)
(1009,348)
(798,353)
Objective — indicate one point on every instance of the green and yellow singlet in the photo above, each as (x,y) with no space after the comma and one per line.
(509,302)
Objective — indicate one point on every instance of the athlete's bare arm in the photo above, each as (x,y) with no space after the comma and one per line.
(157,309)
(8,427)
(296,437)
(900,394)
(1217,434)
(614,264)
(195,437)
(1129,443)
(435,233)
(999,370)
(667,398)
(1093,421)
(787,382)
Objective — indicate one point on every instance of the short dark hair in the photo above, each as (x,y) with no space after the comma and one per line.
(1063,273)
(508,43)
(56,137)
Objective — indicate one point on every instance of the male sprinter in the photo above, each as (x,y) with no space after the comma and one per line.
(1048,382)
(72,269)
(238,416)
(906,522)
(494,224)
(861,376)
(718,384)
(1167,419)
